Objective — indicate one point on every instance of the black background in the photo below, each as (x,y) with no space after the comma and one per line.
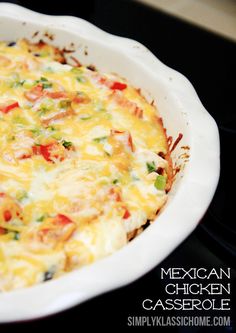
(209,62)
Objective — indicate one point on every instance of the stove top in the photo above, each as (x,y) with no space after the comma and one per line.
(209,62)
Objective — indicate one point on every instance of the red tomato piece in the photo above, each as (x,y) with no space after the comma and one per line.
(61,219)
(8,107)
(7,215)
(126,214)
(118,86)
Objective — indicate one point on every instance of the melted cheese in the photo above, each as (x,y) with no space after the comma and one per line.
(74,177)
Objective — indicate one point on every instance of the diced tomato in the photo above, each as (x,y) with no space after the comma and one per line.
(113,85)
(7,215)
(9,208)
(45,151)
(50,151)
(57,94)
(36,150)
(62,220)
(8,107)
(35,93)
(126,214)
(118,86)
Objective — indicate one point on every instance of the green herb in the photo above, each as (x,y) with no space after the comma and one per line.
(45,83)
(41,218)
(51,128)
(81,79)
(46,106)
(67,144)
(115,181)
(151,166)
(21,195)
(160,183)
(16,235)
(84,117)
(76,70)
(42,111)
(17,84)
(101,139)
(36,131)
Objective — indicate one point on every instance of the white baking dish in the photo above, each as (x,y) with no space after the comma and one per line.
(182,112)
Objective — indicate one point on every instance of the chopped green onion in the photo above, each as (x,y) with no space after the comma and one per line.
(151,167)
(47,85)
(85,117)
(41,218)
(21,195)
(81,79)
(67,144)
(51,128)
(101,139)
(18,84)
(46,106)
(115,181)
(36,131)
(160,182)
(16,235)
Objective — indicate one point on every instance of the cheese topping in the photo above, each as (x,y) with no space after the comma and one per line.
(83,164)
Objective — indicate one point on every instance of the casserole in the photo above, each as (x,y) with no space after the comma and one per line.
(85,164)
(193,188)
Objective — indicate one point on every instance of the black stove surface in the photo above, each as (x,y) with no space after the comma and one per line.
(208,61)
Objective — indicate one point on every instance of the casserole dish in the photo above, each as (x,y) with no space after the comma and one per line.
(181,111)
